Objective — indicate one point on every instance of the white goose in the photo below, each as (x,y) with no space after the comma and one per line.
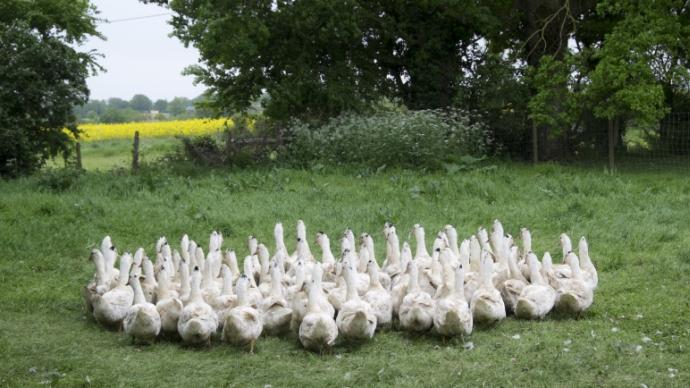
(356,319)
(148,285)
(168,305)
(402,280)
(392,265)
(486,304)
(379,298)
(452,315)
(109,253)
(142,322)
(230,260)
(243,324)
(265,271)
(298,297)
(227,298)
(100,283)
(327,258)
(317,331)
(537,298)
(185,289)
(316,281)
(276,314)
(197,321)
(421,257)
(574,295)
(278,235)
(586,265)
(452,238)
(384,278)
(111,308)
(417,308)
(511,288)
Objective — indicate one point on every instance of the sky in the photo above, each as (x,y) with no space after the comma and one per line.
(140,57)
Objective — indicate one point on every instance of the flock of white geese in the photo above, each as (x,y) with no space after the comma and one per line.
(199,295)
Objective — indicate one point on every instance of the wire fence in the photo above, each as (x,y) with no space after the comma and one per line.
(664,147)
(601,144)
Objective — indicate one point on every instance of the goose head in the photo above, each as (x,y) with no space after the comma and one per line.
(418,232)
(321,239)
(301,230)
(441,241)
(566,244)
(498,227)
(160,243)
(252,243)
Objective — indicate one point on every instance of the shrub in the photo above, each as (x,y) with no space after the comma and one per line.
(58,179)
(203,150)
(426,138)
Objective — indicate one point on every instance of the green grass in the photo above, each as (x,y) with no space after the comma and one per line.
(638,226)
(108,154)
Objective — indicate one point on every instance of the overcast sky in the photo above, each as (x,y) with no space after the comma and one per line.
(140,57)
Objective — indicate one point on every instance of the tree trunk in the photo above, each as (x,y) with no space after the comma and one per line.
(612,144)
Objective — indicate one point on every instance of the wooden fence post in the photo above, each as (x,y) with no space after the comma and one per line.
(611,146)
(535,143)
(78,152)
(135,152)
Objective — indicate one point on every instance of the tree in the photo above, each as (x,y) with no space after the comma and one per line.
(161,105)
(316,59)
(118,103)
(42,77)
(178,106)
(140,103)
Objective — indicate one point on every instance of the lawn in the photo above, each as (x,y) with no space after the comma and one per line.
(638,225)
(117,153)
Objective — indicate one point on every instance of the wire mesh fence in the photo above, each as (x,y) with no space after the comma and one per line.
(605,145)
(666,145)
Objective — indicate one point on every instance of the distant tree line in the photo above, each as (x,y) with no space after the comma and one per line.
(141,108)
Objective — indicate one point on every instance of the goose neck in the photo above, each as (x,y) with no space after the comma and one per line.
(351,285)
(138,292)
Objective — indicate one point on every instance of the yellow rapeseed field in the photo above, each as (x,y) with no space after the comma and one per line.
(96,132)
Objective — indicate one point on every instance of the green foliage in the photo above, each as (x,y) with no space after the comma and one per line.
(496,94)
(114,115)
(41,77)
(202,150)
(58,180)
(624,84)
(555,102)
(421,139)
(316,59)
(161,105)
(141,103)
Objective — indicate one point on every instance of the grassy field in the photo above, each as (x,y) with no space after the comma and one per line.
(638,224)
(117,153)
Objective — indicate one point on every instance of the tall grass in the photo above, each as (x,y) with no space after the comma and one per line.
(637,331)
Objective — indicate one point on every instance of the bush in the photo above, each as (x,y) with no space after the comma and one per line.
(58,180)
(203,150)
(426,138)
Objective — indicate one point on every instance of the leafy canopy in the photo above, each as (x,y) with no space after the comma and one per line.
(41,78)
